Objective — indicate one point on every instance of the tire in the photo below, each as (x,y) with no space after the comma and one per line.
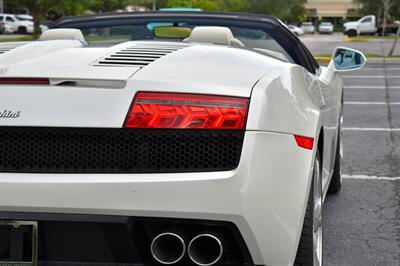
(309,252)
(351,33)
(22,30)
(336,180)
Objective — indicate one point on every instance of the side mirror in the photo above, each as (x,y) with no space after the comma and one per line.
(346,59)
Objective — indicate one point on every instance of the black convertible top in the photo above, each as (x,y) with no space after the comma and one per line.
(170,14)
(240,17)
(283,35)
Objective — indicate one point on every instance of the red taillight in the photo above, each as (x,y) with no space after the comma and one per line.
(304,142)
(187,111)
(24,81)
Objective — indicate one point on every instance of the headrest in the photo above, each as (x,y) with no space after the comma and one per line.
(213,35)
(62,34)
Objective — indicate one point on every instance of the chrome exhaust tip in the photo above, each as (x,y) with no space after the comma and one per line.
(168,248)
(205,250)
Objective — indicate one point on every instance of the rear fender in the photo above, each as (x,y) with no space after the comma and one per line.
(287,101)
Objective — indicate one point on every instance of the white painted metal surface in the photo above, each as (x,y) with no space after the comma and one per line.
(265,196)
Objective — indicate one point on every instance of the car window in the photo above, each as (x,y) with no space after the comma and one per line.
(367,20)
(20,18)
(10,19)
(259,40)
(1,18)
(251,38)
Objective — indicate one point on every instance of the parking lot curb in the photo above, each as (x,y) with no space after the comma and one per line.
(323,60)
(347,39)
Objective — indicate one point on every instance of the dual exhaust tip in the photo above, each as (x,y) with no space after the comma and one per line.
(170,248)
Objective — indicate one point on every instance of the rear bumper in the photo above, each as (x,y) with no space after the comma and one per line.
(76,239)
(265,197)
(325,30)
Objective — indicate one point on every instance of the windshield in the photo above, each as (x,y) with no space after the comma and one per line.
(23,18)
(262,37)
(326,24)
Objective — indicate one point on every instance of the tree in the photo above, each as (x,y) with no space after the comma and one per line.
(287,10)
(375,7)
(386,7)
(99,6)
(291,10)
(37,8)
(71,7)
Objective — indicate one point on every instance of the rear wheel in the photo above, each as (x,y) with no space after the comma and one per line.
(310,247)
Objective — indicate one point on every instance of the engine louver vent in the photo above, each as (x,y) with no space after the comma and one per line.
(138,55)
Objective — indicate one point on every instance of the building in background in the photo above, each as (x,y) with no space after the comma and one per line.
(332,10)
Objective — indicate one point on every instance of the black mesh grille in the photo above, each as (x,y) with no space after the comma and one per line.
(79,150)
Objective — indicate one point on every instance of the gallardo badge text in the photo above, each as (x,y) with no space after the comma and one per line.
(9,114)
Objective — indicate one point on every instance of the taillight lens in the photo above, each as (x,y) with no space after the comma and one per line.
(187,111)
(24,81)
(304,142)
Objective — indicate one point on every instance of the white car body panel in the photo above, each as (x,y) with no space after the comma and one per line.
(231,196)
(285,100)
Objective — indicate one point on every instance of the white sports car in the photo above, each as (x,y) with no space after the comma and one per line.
(179,138)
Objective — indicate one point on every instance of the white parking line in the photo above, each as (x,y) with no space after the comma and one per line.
(370,77)
(371,129)
(372,103)
(371,177)
(366,87)
(371,87)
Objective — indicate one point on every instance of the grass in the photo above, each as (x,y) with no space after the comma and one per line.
(99,38)
(26,38)
(172,32)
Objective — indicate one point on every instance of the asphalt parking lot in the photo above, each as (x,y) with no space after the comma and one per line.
(11,36)
(362,222)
